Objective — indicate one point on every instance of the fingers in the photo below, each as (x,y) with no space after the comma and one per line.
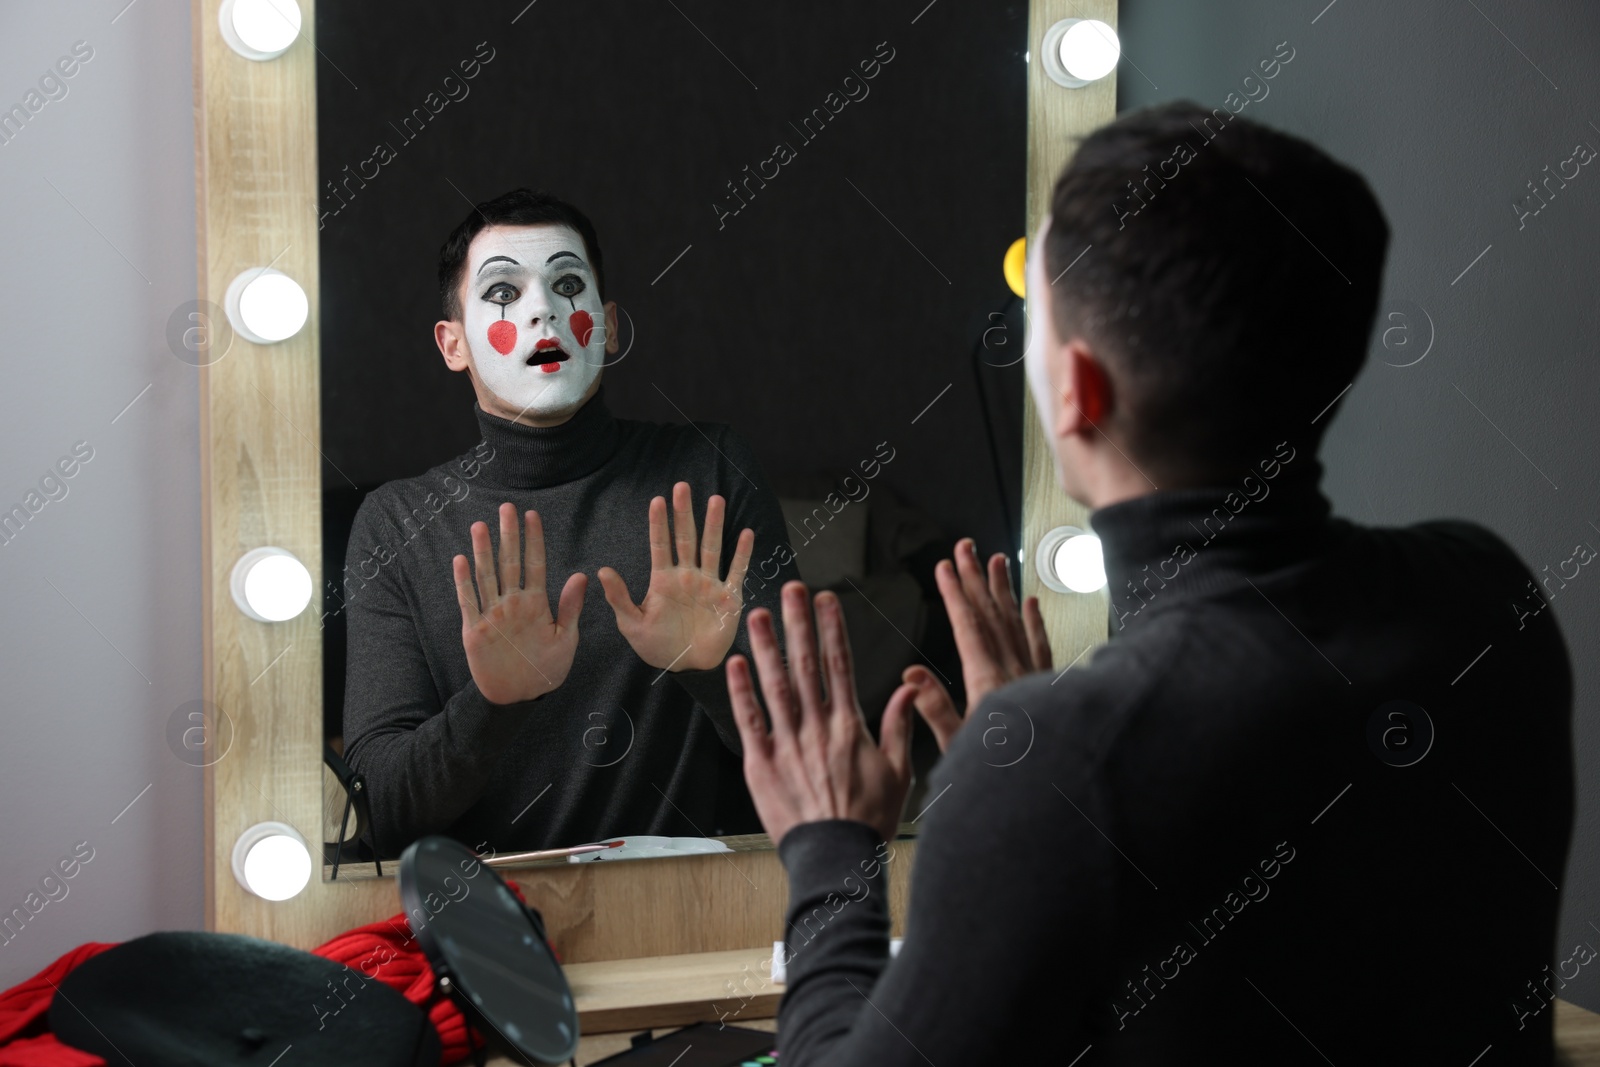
(933,702)
(1012,640)
(741,559)
(802,647)
(894,732)
(747,713)
(836,657)
(660,552)
(533,558)
(976,586)
(571,603)
(978,666)
(1038,637)
(466,596)
(683,524)
(616,593)
(510,572)
(711,540)
(483,565)
(773,677)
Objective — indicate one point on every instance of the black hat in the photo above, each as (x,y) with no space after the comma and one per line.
(205,999)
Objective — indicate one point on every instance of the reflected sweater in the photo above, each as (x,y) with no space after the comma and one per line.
(1310,803)
(620,747)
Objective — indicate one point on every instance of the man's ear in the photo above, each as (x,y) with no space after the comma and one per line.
(611,327)
(1084,389)
(452,342)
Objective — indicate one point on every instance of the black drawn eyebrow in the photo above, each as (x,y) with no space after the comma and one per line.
(558,255)
(496,259)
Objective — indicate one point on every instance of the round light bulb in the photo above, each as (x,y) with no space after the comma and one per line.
(272,861)
(1080,564)
(270,585)
(265,306)
(1080,51)
(1090,50)
(259,29)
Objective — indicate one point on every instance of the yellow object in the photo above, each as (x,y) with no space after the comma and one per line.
(1014,266)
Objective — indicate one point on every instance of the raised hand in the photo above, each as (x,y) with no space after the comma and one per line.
(997,642)
(515,649)
(818,761)
(689,616)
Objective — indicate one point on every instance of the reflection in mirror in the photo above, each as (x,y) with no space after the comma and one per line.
(618,337)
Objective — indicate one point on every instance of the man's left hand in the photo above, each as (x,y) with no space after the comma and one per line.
(818,761)
(689,616)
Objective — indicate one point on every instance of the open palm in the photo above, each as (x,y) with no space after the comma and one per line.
(689,616)
(515,649)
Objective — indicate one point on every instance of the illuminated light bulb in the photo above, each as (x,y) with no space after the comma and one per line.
(1070,560)
(1080,564)
(270,585)
(1014,266)
(1080,51)
(259,29)
(265,306)
(272,861)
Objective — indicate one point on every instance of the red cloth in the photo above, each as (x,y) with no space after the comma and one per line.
(385,951)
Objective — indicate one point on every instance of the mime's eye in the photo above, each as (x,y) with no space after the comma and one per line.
(568,285)
(502,293)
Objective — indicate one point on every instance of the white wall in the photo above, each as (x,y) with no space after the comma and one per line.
(101,627)
(1449,108)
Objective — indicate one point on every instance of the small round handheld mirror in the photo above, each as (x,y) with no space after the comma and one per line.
(488,951)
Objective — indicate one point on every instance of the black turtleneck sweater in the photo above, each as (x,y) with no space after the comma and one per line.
(1214,841)
(621,747)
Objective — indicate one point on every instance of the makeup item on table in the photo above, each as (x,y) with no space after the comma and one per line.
(651,846)
(488,952)
(548,854)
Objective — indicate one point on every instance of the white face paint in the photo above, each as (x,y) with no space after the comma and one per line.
(534,321)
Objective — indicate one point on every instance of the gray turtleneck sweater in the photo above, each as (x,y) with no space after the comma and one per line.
(620,747)
(1310,804)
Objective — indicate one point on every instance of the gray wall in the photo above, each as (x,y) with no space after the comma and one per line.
(101,627)
(1449,119)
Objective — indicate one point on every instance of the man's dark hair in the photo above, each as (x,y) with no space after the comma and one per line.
(519,207)
(1228,278)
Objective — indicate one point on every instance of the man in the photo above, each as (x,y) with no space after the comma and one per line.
(1309,804)
(470,707)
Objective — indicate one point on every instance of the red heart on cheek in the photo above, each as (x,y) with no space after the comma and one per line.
(582,326)
(503,336)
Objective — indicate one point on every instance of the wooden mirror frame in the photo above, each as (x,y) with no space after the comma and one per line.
(256,182)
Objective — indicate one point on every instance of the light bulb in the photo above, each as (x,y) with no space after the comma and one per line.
(272,861)
(1080,51)
(1079,563)
(1070,560)
(259,29)
(270,585)
(265,306)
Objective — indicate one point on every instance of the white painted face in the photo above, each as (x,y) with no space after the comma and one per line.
(533,317)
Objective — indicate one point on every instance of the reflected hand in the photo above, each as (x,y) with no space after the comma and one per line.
(515,650)
(997,642)
(819,760)
(689,616)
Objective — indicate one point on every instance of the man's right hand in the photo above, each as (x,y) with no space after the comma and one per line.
(515,649)
(997,642)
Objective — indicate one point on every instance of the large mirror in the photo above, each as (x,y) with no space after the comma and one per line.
(782,286)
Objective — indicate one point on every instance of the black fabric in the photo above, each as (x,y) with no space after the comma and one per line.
(1206,843)
(193,999)
(620,747)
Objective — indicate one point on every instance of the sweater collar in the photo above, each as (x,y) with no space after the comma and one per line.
(1173,545)
(535,457)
